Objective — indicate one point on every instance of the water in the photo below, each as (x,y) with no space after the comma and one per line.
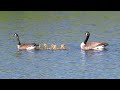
(59,27)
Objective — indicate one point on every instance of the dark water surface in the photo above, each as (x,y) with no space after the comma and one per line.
(59,27)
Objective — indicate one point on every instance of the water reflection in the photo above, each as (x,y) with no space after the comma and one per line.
(18,54)
(92,53)
(25,53)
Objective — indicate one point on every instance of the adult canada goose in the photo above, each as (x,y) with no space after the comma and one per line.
(26,46)
(92,45)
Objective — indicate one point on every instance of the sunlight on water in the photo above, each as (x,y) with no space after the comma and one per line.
(59,27)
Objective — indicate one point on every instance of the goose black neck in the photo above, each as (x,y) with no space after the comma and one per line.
(18,40)
(87,37)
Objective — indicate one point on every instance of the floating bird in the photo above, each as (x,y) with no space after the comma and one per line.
(62,47)
(45,46)
(26,46)
(92,45)
(53,47)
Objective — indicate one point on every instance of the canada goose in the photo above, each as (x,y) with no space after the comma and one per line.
(45,46)
(53,46)
(40,46)
(62,47)
(92,45)
(25,46)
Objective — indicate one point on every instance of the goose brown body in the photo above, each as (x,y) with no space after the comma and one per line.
(27,46)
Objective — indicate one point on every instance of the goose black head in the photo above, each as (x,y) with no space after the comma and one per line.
(87,33)
(16,35)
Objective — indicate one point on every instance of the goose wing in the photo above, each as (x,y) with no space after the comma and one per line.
(91,45)
(26,45)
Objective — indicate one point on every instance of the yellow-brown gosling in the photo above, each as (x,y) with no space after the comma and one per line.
(53,47)
(41,46)
(45,46)
(62,46)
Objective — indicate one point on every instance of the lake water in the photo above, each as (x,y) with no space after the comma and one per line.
(59,27)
